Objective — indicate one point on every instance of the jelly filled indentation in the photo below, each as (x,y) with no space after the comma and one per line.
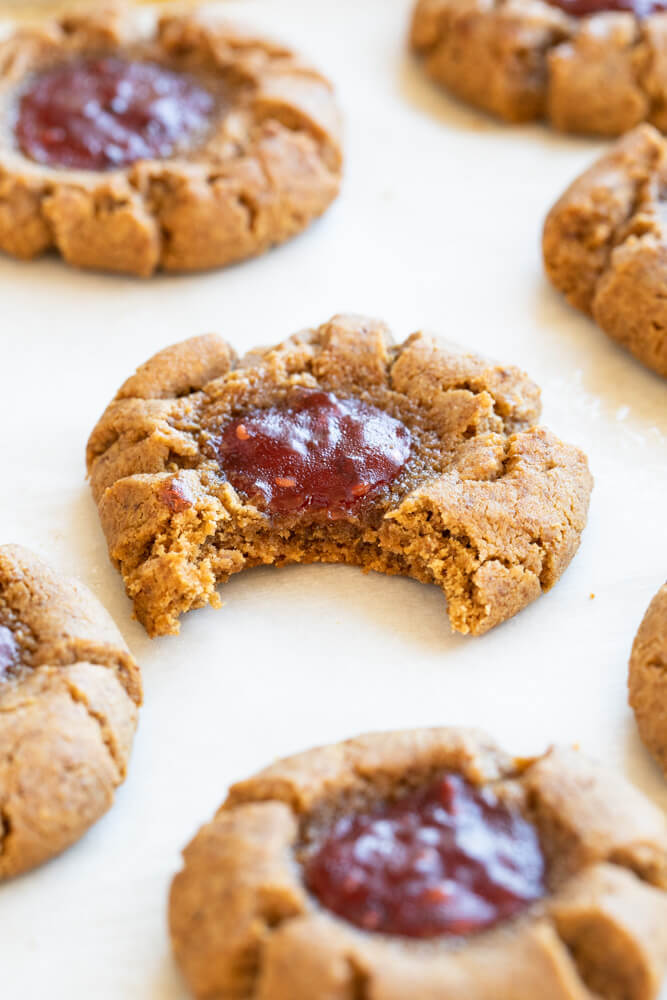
(449,859)
(97,114)
(318,453)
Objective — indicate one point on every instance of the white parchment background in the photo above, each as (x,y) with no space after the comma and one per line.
(438,227)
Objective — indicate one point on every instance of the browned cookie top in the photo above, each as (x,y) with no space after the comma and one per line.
(605,244)
(204,465)
(591,66)
(69,692)
(247,921)
(648,677)
(184,146)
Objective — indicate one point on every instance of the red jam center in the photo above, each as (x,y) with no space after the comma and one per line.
(176,495)
(585,8)
(449,859)
(97,114)
(9,652)
(318,453)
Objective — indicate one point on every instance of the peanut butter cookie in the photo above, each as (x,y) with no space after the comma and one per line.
(588,66)
(426,863)
(648,678)
(183,147)
(69,693)
(605,245)
(336,446)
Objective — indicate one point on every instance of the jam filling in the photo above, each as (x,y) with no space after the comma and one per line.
(97,114)
(448,859)
(176,496)
(9,652)
(585,8)
(317,453)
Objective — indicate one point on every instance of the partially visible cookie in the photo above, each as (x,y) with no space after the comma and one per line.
(428,864)
(605,245)
(182,147)
(69,694)
(586,66)
(337,445)
(648,678)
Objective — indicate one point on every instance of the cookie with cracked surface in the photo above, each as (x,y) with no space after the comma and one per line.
(419,459)
(647,681)
(69,695)
(429,863)
(586,66)
(605,245)
(183,147)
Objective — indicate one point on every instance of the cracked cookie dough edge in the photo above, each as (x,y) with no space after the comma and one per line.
(524,61)
(647,678)
(603,245)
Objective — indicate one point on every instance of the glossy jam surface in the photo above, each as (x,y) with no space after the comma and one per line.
(176,495)
(97,114)
(318,452)
(9,652)
(448,859)
(585,8)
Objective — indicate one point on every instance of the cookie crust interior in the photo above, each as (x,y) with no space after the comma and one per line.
(244,926)
(605,245)
(489,507)
(69,712)
(270,163)
(526,60)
